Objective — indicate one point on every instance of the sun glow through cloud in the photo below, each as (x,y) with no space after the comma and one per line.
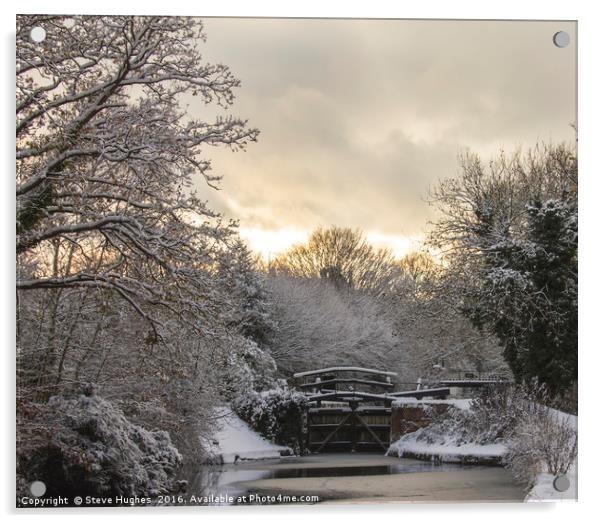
(398,244)
(270,243)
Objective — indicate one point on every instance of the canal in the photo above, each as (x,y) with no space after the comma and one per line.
(353,478)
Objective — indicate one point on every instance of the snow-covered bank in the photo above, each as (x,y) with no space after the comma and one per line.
(234,440)
(449,450)
(443,443)
(523,435)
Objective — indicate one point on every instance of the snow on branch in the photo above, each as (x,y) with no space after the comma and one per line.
(107,159)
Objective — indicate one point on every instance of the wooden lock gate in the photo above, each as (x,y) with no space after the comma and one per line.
(349,409)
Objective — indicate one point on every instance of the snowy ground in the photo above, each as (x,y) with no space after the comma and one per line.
(234,440)
(544,490)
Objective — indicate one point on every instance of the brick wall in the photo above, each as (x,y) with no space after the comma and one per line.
(411,416)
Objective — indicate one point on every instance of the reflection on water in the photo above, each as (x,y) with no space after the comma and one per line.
(218,482)
(402,468)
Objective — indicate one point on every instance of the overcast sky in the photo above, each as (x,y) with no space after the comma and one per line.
(358,118)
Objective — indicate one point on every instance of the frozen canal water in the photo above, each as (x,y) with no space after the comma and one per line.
(352,478)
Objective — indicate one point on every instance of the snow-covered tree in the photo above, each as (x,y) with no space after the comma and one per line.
(508,239)
(106,157)
(126,278)
(318,324)
(529,295)
(242,279)
(106,160)
(342,256)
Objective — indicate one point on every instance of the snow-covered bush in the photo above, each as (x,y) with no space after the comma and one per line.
(495,412)
(245,367)
(275,414)
(492,418)
(544,440)
(449,427)
(181,409)
(86,446)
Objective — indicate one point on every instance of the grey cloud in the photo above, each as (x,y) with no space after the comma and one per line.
(357,118)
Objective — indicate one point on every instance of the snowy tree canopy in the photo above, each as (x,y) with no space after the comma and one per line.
(508,237)
(342,256)
(126,279)
(106,156)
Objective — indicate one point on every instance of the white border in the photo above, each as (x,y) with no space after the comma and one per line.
(590,225)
